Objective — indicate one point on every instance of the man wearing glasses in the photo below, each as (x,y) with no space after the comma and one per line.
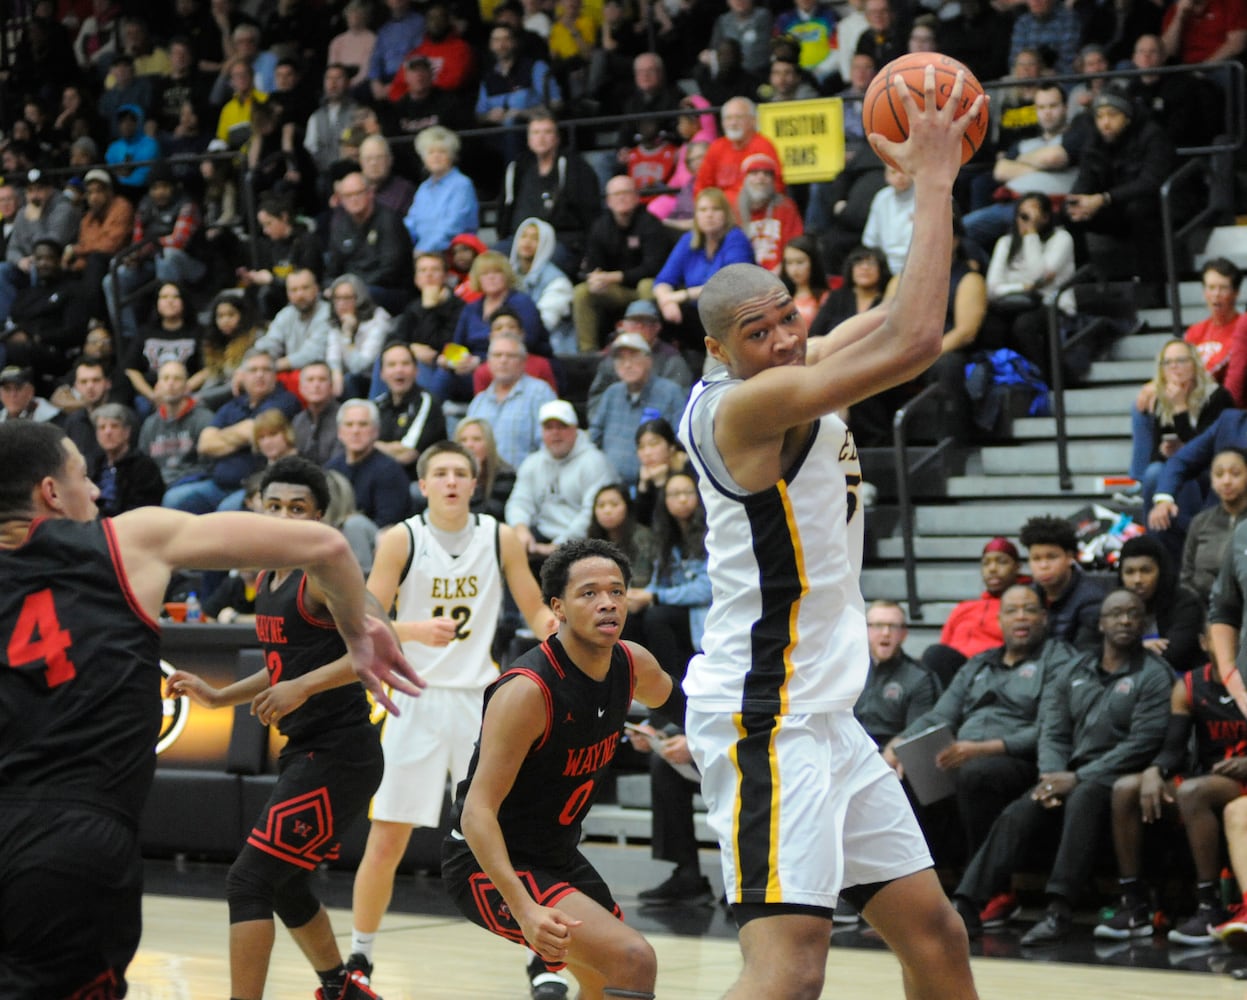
(898,688)
(1104,717)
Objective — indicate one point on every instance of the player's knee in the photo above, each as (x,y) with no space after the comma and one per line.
(248,893)
(632,964)
(296,904)
(938,940)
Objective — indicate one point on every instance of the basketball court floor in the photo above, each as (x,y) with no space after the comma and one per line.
(426,951)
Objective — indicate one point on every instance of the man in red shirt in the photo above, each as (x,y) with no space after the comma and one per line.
(1199,31)
(740,139)
(770,219)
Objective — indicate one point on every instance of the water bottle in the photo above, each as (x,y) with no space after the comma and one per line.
(194,613)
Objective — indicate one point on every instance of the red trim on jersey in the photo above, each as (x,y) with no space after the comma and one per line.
(114,550)
(306,615)
(553,658)
(631,671)
(545,693)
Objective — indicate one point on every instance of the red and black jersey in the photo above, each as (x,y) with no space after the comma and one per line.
(558,781)
(295,643)
(80,679)
(1220,729)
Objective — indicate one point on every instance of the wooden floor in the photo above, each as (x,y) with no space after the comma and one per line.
(183,957)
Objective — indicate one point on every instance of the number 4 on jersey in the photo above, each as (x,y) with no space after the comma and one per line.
(39,638)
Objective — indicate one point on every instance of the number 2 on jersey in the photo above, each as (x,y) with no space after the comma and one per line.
(39,638)
(461,613)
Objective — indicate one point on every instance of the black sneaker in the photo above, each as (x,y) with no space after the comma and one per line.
(678,890)
(1196,929)
(1133,919)
(1052,929)
(358,964)
(544,984)
(845,914)
(968,910)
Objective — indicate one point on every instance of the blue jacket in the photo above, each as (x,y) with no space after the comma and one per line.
(690,268)
(686,584)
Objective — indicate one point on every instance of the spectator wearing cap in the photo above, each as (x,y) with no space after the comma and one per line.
(770,219)
(721,166)
(107,225)
(974,626)
(47,214)
(18,399)
(48,321)
(643,319)
(552,501)
(421,105)
(513,398)
(132,145)
(126,477)
(172,219)
(625,249)
(638,396)
(1115,200)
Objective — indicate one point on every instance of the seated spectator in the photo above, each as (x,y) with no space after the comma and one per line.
(107,225)
(1187,404)
(886,38)
(170,434)
(428,322)
(750,26)
(1204,31)
(1028,266)
(724,78)
(90,382)
(449,54)
(1210,530)
(770,219)
(284,245)
(325,125)
(48,321)
(300,332)
(532,260)
(1071,598)
(614,520)
(714,242)
(98,348)
(554,486)
(1092,733)
(1190,108)
(1185,471)
(380,483)
(514,87)
(359,531)
(389,189)
(898,688)
(357,329)
(697,130)
(18,399)
(866,277)
(891,221)
(226,443)
(626,247)
(974,626)
(410,419)
(234,121)
(367,239)
(660,456)
(174,336)
(1175,615)
(445,203)
(464,249)
(992,709)
(573,38)
(1013,109)
(46,214)
(125,476)
(1116,196)
(495,476)
(316,426)
(638,397)
(171,217)
(233,601)
(740,140)
(423,105)
(513,398)
(813,24)
(132,145)
(1171,790)
(272,164)
(230,335)
(1216,337)
(641,318)
(801,271)
(353,47)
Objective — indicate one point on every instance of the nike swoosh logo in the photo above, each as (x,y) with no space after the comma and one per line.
(601,712)
(1077,682)
(1226,699)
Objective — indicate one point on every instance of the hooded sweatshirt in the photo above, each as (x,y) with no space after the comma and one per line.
(137,148)
(545,283)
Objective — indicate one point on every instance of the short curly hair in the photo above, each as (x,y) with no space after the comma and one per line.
(1049,530)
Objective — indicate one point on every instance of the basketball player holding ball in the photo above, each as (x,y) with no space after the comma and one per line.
(802,804)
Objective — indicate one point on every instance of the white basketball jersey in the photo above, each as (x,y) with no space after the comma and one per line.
(467,588)
(786,631)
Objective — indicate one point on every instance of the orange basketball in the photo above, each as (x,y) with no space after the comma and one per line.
(883,112)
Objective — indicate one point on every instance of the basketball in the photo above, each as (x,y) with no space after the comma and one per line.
(882,111)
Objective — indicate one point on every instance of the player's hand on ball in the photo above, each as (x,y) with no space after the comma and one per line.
(934,143)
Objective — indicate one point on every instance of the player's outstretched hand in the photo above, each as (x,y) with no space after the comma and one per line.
(378,661)
(933,146)
(194,687)
(548,931)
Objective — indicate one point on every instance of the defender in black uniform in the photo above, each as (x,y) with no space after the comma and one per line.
(1198,701)
(551,725)
(328,770)
(80,698)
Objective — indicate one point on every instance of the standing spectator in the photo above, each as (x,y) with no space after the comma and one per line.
(398,36)
(368,240)
(316,426)
(546,184)
(445,203)
(46,214)
(126,477)
(170,435)
(513,399)
(1048,23)
(770,219)
(626,248)
(379,482)
(1204,31)
(740,140)
(750,26)
(410,418)
(1071,598)
(898,688)
(552,501)
(639,396)
(300,332)
(1210,529)
(357,329)
(1092,732)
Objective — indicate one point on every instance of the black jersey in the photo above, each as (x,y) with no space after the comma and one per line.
(296,643)
(558,781)
(80,680)
(1220,729)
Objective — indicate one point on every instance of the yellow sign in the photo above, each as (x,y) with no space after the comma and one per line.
(808,135)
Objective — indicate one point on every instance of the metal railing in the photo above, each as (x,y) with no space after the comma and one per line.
(1056,362)
(904,471)
(119,299)
(1172,236)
